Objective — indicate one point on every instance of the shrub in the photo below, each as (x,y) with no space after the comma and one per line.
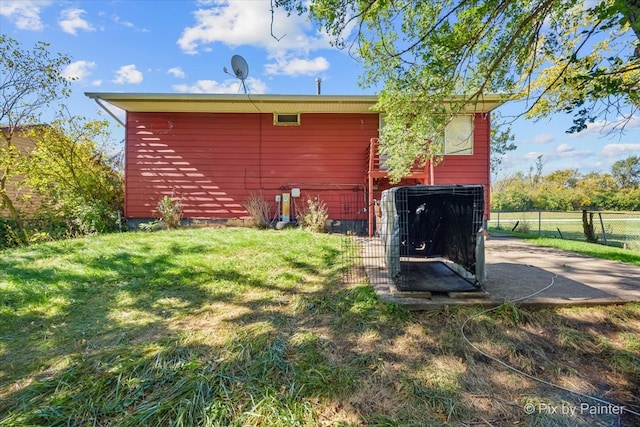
(314,215)
(524,226)
(259,209)
(170,211)
(91,217)
(8,235)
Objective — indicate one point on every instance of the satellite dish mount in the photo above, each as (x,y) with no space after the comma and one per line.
(240,69)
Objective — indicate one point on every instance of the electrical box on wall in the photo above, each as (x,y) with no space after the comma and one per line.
(295,192)
(286,207)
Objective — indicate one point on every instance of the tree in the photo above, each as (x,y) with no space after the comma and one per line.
(501,142)
(81,186)
(626,172)
(437,59)
(30,80)
(534,178)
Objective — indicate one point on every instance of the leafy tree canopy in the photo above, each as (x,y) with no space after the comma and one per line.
(626,172)
(70,167)
(580,57)
(568,189)
(29,81)
(79,184)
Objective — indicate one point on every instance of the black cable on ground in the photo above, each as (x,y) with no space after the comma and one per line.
(518,371)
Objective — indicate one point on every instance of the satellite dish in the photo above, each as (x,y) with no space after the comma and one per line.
(240,69)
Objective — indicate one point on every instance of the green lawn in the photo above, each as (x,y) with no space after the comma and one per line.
(628,256)
(619,229)
(241,327)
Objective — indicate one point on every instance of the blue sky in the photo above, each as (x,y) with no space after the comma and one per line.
(182,46)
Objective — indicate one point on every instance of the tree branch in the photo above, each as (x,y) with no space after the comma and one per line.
(272,19)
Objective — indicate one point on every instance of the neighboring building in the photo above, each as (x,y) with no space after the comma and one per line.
(213,151)
(24,199)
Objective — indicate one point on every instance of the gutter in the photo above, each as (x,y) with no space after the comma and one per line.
(104,107)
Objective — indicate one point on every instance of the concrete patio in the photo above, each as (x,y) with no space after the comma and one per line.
(516,269)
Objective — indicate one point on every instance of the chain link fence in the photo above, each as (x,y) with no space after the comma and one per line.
(620,229)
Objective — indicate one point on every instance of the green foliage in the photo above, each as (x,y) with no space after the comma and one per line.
(626,172)
(590,249)
(30,80)
(565,190)
(8,235)
(314,216)
(79,184)
(501,142)
(154,225)
(434,60)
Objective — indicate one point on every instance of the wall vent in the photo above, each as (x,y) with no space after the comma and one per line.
(280,119)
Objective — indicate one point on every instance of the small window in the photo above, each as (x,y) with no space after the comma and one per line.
(458,136)
(286,119)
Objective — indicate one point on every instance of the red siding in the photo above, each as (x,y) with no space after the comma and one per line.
(212,162)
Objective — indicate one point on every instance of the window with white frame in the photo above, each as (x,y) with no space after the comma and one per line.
(458,136)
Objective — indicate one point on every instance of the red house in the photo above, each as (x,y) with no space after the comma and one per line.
(212,151)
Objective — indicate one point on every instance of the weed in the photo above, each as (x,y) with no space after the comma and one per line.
(511,313)
(314,215)
(259,210)
(170,210)
(524,226)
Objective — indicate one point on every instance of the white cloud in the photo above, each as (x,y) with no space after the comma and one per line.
(254,86)
(297,66)
(176,72)
(532,155)
(564,148)
(611,150)
(122,22)
(544,138)
(237,23)
(128,74)
(78,70)
(96,83)
(71,21)
(118,20)
(24,14)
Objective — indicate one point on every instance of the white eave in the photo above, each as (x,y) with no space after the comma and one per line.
(248,103)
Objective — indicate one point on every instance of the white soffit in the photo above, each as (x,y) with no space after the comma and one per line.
(247,103)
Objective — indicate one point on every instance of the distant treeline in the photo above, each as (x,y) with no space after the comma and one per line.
(566,190)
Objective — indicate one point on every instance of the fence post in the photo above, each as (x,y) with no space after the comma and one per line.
(539,223)
(498,220)
(604,233)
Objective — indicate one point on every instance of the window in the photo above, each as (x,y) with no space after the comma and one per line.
(458,136)
(286,119)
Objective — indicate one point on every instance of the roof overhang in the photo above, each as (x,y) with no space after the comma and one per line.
(249,103)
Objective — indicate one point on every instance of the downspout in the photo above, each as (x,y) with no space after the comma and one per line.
(104,107)
(432,178)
